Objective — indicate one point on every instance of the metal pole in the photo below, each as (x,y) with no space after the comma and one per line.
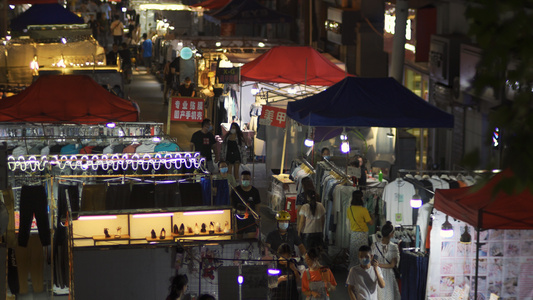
(398,41)
(283,152)
(478,246)
(240,285)
(240,98)
(310,22)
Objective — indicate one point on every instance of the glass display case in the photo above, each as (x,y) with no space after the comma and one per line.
(201,223)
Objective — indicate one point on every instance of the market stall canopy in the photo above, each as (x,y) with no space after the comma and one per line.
(212,4)
(293,65)
(66,99)
(45,14)
(368,102)
(32,2)
(247,12)
(482,208)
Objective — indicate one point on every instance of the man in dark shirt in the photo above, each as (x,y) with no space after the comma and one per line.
(111,57)
(186,89)
(172,71)
(246,222)
(284,235)
(125,55)
(203,141)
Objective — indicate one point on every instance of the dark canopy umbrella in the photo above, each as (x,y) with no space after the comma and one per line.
(247,12)
(368,102)
(45,14)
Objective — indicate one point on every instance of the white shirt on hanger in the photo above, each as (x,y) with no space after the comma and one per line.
(398,196)
(146,148)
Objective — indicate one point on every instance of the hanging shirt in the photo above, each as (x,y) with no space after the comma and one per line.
(166,147)
(146,148)
(108,149)
(130,148)
(71,149)
(397,195)
(18,151)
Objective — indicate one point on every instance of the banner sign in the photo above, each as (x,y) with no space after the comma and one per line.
(228,75)
(187,109)
(273,116)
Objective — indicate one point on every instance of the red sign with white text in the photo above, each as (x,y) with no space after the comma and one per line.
(187,109)
(273,116)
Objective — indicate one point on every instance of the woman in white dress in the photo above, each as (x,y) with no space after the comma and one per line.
(388,256)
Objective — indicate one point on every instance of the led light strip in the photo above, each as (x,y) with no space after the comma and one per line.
(87,218)
(116,161)
(206,212)
(155,215)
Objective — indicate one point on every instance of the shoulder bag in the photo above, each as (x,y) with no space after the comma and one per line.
(394,269)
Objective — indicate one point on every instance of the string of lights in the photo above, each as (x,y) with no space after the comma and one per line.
(106,162)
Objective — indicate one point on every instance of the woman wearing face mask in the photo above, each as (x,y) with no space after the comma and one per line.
(317,281)
(388,256)
(222,184)
(223,169)
(234,149)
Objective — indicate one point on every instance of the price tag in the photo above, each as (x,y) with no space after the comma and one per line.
(398,217)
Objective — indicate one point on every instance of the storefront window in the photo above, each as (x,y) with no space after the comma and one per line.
(418,84)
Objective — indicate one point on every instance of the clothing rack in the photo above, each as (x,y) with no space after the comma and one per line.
(337,170)
(433,171)
(302,160)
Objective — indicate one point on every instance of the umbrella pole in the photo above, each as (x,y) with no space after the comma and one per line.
(478,247)
(283,152)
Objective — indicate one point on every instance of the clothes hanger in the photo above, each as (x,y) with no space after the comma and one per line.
(444,176)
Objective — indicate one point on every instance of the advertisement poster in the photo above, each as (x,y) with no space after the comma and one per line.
(187,109)
(273,116)
(505,262)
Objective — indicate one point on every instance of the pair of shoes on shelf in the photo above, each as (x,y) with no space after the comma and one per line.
(161,235)
(180,231)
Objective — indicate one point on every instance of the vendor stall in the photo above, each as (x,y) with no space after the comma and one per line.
(488,242)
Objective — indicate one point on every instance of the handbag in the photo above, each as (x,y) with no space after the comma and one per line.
(397,274)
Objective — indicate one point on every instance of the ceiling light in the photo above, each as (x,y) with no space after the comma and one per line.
(390,135)
(291,90)
(345,147)
(446,231)
(344,136)
(63,40)
(110,125)
(255,89)
(240,279)
(273,272)
(466,238)
(124,9)
(416,201)
(218,44)
(261,44)
(309,142)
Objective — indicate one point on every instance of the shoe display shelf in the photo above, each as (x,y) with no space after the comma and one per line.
(140,227)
